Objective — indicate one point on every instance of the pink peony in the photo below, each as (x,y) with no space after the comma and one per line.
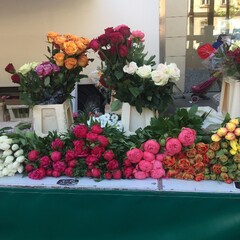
(80,131)
(68,172)
(127,163)
(108,155)
(56,173)
(73,163)
(151,146)
(145,166)
(98,151)
(187,136)
(29,168)
(91,159)
(117,174)
(148,156)
(49,172)
(128,172)
(56,156)
(92,136)
(140,175)
(112,164)
(96,129)
(103,141)
(157,173)
(96,172)
(134,155)
(157,164)
(138,34)
(70,155)
(173,146)
(57,144)
(59,166)
(45,161)
(160,157)
(108,175)
(33,155)
(37,174)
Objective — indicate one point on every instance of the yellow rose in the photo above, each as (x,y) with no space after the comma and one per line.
(230,126)
(71,37)
(27,67)
(70,48)
(51,36)
(230,136)
(70,63)
(60,40)
(222,132)
(215,137)
(59,58)
(235,121)
(81,46)
(83,61)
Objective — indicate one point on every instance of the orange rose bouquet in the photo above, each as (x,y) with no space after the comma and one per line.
(52,81)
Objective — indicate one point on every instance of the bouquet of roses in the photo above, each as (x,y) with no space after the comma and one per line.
(52,81)
(129,75)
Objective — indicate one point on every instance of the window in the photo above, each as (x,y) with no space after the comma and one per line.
(205,2)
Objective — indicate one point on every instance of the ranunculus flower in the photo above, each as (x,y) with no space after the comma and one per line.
(202,147)
(173,146)
(33,155)
(134,155)
(191,152)
(235,121)
(215,137)
(230,126)
(56,156)
(131,68)
(221,132)
(230,136)
(237,132)
(144,71)
(169,161)
(187,136)
(151,146)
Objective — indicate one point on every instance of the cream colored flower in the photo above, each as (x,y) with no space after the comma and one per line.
(27,67)
(131,68)
(144,71)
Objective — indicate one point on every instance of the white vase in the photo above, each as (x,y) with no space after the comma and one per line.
(132,119)
(52,117)
(230,97)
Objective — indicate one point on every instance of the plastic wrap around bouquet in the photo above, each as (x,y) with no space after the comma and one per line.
(52,81)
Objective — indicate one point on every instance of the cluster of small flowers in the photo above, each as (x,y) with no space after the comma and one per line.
(107,120)
(11,157)
(143,163)
(192,163)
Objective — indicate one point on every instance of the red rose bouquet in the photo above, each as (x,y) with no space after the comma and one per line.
(127,72)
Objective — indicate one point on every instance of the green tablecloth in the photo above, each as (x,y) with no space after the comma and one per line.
(63,214)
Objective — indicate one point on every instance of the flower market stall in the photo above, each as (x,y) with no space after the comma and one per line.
(176,177)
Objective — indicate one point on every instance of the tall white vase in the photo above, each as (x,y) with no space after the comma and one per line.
(230,97)
(132,119)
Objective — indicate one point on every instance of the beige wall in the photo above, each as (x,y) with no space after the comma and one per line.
(24,24)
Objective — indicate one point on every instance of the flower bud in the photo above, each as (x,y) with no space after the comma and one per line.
(224,169)
(15,147)
(8,160)
(4,146)
(230,126)
(215,137)
(3,138)
(234,121)
(221,132)
(5,171)
(230,136)
(18,153)
(7,153)
(237,132)
(20,159)
(20,169)
(16,165)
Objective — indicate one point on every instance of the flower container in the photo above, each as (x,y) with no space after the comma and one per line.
(2,106)
(54,117)
(18,112)
(230,97)
(132,119)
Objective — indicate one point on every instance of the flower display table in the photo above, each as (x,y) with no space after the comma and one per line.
(118,209)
